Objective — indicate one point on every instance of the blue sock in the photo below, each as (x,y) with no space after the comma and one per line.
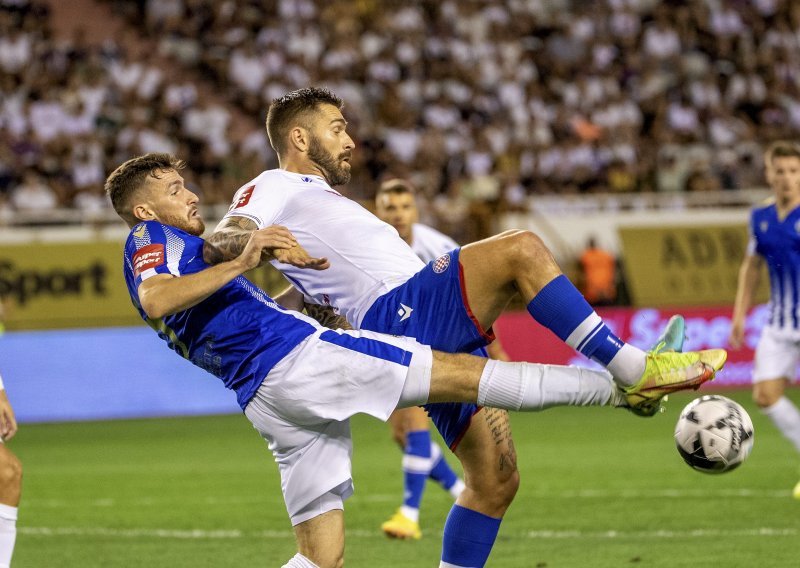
(441,472)
(561,308)
(468,537)
(416,466)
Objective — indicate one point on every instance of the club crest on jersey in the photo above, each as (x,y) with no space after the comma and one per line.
(147,257)
(244,198)
(441,264)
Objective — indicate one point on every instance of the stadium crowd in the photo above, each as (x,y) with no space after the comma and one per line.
(481,103)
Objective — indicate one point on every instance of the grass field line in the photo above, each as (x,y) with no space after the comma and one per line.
(742,493)
(201,534)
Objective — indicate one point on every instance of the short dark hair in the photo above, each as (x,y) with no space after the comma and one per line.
(286,111)
(395,186)
(127,179)
(782,149)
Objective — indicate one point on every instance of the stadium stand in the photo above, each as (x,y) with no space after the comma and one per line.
(484,104)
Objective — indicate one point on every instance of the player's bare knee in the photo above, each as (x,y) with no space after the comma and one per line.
(10,470)
(765,398)
(496,492)
(526,249)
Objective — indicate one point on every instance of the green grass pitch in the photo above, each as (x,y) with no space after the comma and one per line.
(600,488)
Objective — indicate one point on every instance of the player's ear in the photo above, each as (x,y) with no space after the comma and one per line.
(143,212)
(298,138)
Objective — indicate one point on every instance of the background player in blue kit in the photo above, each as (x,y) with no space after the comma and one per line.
(376,282)
(396,204)
(297,382)
(775,240)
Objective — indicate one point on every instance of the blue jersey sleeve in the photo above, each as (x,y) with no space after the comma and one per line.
(153,248)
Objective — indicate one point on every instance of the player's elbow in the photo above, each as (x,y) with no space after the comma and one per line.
(153,306)
(212,254)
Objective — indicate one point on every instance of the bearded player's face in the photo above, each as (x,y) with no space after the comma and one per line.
(330,147)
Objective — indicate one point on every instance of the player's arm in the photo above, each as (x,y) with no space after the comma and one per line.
(327,317)
(290,299)
(749,279)
(8,422)
(293,299)
(230,239)
(165,294)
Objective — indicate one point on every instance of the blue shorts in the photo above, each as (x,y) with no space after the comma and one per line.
(432,308)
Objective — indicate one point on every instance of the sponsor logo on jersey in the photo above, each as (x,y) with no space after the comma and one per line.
(306,179)
(244,198)
(442,263)
(139,231)
(147,257)
(404,312)
(764,226)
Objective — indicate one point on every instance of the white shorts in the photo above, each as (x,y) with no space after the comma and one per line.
(303,407)
(777,355)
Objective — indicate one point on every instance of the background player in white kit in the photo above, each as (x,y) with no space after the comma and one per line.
(297,382)
(376,282)
(775,240)
(396,204)
(10,481)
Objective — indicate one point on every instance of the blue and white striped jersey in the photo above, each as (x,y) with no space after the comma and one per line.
(237,334)
(778,242)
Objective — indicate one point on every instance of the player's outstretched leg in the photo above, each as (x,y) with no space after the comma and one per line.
(518,261)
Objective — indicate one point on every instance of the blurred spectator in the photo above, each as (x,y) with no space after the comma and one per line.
(598,275)
(33,194)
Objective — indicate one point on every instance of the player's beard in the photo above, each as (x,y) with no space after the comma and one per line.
(192,225)
(335,171)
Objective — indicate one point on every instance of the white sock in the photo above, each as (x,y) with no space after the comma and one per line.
(786,417)
(628,365)
(410,513)
(8,534)
(528,386)
(299,561)
(457,489)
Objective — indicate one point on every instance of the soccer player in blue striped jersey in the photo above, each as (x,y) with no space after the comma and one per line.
(775,241)
(376,282)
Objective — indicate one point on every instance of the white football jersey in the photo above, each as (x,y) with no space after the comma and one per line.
(368,258)
(428,243)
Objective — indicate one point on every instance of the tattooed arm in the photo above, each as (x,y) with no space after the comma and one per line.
(231,236)
(229,239)
(327,317)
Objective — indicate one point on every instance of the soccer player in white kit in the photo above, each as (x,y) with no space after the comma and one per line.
(10,481)
(376,282)
(297,382)
(775,240)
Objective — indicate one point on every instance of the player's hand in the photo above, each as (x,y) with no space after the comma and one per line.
(299,257)
(736,338)
(8,423)
(265,242)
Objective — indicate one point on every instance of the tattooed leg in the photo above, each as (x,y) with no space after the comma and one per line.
(490,463)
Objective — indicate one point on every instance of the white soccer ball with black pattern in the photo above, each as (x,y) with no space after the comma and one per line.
(714,434)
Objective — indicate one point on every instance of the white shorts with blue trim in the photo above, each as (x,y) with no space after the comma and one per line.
(777,355)
(303,407)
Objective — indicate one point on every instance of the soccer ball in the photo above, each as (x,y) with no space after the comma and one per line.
(714,434)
